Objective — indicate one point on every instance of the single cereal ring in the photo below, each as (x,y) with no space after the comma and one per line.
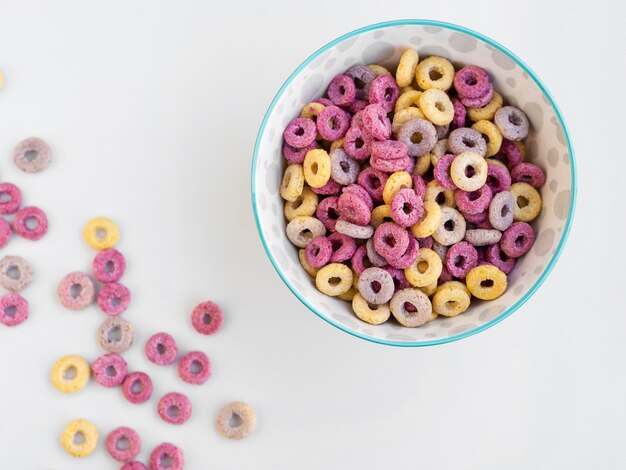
(460,259)
(76,291)
(442,196)
(137,387)
(429,290)
(527,202)
(397,181)
(375,122)
(30,223)
(488,111)
(169,453)
(451,227)
(465,139)
(333,123)
(341,90)
(362,77)
(334,279)
(460,114)
(496,256)
(101,233)
(353,209)
(491,135)
(384,91)
(498,177)
(517,240)
(5,232)
(343,247)
(437,107)
(406,67)
(406,100)
(425,269)
(422,165)
(380,215)
(482,237)
(343,169)
(370,313)
(305,205)
(376,285)
(441,172)
(373,256)
(419,135)
(528,173)
(13,309)
(479,101)
(419,185)
(474,202)
(390,240)
(123,444)
(439,150)
(161,348)
(360,262)
(406,207)
(471,82)
(311,110)
(115,335)
(389,150)
(300,132)
(373,181)
(450,300)
(391,166)
(316,168)
(318,252)
(10,198)
(428,223)
(486,282)
(32,155)
(174,408)
(194,368)
(79,438)
(15,273)
(113,298)
(296,155)
(362,232)
(403,116)
(303,262)
(512,122)
(356,143)
(501,210)
(511,153)
(301,230)
(469,171)
(109,266)
(378,69)
(348,296)
(440,249)
(408,257)
(70,374)
(399,279)
(292,184)
(109,370)
(236,420)
(434,72)
(411,307)
(360,192)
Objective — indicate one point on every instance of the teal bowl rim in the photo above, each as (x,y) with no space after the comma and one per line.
(518,61)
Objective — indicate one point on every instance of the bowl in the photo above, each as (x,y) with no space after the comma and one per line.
(548,144)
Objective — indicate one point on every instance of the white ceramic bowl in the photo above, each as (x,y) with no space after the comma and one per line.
(548,144)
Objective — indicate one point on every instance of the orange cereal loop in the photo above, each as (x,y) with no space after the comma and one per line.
(101,233)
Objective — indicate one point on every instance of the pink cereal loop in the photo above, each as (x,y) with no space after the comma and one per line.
(207,318)
(14,201)
(161,349)
(13,309)
(28,217)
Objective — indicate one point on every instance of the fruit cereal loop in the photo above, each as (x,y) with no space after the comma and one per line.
(123,444)
(428,223)
(113,298)
(15,273)
(437,107)
(236,420)
(362,77)
(370,313)
(316,168)
(498,177)
(375,122)
(133,466)
(512,123)
(342,91)
(328,212)
(486,282)
(305,265)
(361,232)
(490,134)
(360,261)
(381,214)
(488,111)
(343,169)
(332,123)
(499,258)
(426,136)
(528,173)
(465,139)
(422,165)
(109,370)
(480,101)
(451,227)
(302,230)
(409,256)
(101,233)
(296,155)
(406,207)
(174,408)
(356,143)
(70,374)
(311,110)
(330,272)
(439,66)
(419,185)
(89,433)
(38,149)
(194,368)
(517,240)
(76,291)
(384,92)
(137,387)
(304,205)
(343,247)
(390,240)
(460,259)
(161,348)
(510,154)
(460,114)
(300,132)
(391,166)
(411,307)
(527,202)
(471,82)
(397,181)
(373,256)
(348,296)
(425,269)
(378,69)
(12,200)
(408,99)
(5,233)
(373,181)
(441,172)
(450,300)
(462,164)
(389,150)
(482,237)
(439,150)
(292,184)
(359,192)
(108,332)
(167,452)
(376,286)
(318,252)
(474,202)
(501,210)
(353,209)
(34,215)
(399,279)
(404,116)
(109,266)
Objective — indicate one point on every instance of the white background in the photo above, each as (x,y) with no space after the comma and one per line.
(152,108)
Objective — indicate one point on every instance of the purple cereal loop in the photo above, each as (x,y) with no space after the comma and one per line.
(425,242)
(360,261)
(517,239)
(411,166)
(207,318)
(465,139)
(471,82)
(329,189)
(194,368)
(343,169)
(390,240)
(113,298)
(300,132)
(479,101)
(441,172)
(137,387)
(406,208)
(36,147)
(498,178)
(391,166)
(5,232)
(126,451)
(440,249)
(482,237)
(460,259)
(13,309)
(357,105)
(76,291)
(332,123)
(362,77)
(473,202)
(460,114)
(373,256)
(376,123)
(389,149)
(419,186)
(376,286)
(509,154)
(115,335)
(361,193)
(109,370)
(512,123)
(161,349)
(477,218)
(324,101)
(318,252)
(327,212)
(342,246)
(12,200)
(409,256)
(362,232)
(174,408)
(499,258)
(353,209)
(528,173)
(373,181)
(109,266)
(399,279)
(384,91)
(295,155)
(426,131)
(442,130)
(21,226)
(341,90)
(169,452)
(502,210)
(356,143)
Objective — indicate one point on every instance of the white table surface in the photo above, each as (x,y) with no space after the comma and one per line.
(152,109)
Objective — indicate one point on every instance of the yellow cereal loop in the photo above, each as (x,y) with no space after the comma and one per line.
(79,438)
(527,202)
(406,67)
(397,181)
(492,135)
(401,117)
(450,301)
(348,296)
(305,204)
(488,111)
(425,269)
(521,146)
(378,69)
(434,72)
(334,279)
(407,99)
(429,289)
(429,221)
(422,164)
(101,233)
(355,280)
(381,214)
(70,374)
(486,282)
(456,285)
(305,264)
(311,110)
(1,79)
(436,106)
(316,167)
(442,196)
(336,144)
(372,314)
(292,184)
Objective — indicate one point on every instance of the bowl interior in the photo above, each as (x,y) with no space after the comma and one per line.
(547,145)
